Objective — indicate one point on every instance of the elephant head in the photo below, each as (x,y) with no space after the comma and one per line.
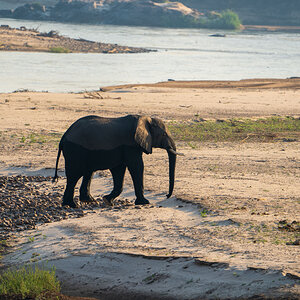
(152,132)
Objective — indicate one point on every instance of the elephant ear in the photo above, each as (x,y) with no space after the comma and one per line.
(143,135)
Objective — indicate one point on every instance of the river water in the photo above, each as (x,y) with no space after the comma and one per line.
(182,54)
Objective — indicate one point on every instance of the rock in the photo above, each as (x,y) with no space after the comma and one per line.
(22,210)
(293,226)
(295,243)
(218,35)
(6,13)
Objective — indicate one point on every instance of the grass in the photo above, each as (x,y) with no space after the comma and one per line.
(59,50)
(267,129)
(28,282)
(33,138)
(203,213)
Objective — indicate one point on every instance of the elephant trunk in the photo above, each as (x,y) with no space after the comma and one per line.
(172,163)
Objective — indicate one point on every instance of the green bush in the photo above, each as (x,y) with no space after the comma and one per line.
(28,281)
(59,50)
(229,20)
(224,20)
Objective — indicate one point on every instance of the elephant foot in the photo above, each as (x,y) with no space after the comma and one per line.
(107,200)
(87,199)
(142,201)
(72,204)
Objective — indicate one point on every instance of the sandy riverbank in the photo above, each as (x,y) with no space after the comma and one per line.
(218,237)
(30,40)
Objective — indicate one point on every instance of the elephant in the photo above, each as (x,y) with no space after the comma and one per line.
(98,143)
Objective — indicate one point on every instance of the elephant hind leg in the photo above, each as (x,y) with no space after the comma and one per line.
(73,175)
(118,174)
(85,195)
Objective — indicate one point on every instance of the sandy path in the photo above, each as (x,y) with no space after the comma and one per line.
(235,195)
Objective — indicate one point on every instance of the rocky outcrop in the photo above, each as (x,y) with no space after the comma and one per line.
(6,13)
(122,12)
(33,11)
(254,12)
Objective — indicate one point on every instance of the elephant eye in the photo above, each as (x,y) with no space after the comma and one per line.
(164,134)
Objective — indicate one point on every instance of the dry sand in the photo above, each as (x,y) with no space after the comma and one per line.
(171,249)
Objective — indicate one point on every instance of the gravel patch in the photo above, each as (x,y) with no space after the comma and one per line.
(27,201)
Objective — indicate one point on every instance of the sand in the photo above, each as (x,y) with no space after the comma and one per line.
(216,238)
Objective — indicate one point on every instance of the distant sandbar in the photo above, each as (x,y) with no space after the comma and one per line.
(30,40)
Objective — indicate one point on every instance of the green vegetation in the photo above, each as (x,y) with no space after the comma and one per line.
(226,20)
(267,129)
(28,282)
(203,213)
(33,138)
(59,50)
(39,138)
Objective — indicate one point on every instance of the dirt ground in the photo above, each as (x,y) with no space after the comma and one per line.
(235,203)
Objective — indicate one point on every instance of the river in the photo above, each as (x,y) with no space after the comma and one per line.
(182,54)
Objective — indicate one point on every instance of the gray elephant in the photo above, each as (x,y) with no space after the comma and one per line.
(95,143)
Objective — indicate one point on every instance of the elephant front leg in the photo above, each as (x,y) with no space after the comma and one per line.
(136,169)
(84,192)
(118,178)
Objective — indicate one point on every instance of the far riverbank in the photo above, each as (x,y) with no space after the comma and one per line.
(30,40)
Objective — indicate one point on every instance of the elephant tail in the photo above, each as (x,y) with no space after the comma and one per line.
(55,178)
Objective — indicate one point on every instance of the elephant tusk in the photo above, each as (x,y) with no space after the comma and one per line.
(176,153)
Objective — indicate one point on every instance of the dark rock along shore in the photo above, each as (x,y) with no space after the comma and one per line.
(27,201)
(22,205)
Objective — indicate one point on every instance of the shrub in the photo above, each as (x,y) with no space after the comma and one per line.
(225,20)
(230,20)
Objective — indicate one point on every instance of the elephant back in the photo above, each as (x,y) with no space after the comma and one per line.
(99,133)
